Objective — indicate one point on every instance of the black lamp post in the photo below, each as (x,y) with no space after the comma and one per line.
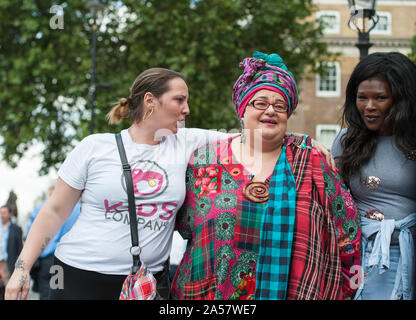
(364,19)
(95,6)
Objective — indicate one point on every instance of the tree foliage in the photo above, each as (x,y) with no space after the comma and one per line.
(46,72)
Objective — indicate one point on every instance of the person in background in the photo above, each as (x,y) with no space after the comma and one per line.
(376,156)
(13,237)
(40,272)
(3,266)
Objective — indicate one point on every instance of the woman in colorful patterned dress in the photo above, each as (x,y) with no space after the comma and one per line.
(376,157)
(265,216)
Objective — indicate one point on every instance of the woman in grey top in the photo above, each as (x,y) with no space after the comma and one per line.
(376,156)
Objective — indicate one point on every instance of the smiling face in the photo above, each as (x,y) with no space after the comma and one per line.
(171,107)
(272,124)
(374,101)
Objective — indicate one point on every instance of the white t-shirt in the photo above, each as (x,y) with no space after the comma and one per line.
(100,239)
(178,248)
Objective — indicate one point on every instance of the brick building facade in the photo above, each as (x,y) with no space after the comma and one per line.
(321,98)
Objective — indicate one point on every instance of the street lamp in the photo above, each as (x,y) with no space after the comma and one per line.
(95,6)
(364,19)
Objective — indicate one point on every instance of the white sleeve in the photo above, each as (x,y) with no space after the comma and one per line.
(201,137)
(74,170)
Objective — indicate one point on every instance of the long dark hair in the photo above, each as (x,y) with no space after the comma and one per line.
(359,143)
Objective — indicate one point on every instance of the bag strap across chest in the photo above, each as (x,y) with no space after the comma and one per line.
(135,250)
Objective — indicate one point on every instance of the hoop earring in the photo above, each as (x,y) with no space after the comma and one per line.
(147,114)
(243,136)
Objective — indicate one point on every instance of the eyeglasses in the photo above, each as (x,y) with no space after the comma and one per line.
(264,105)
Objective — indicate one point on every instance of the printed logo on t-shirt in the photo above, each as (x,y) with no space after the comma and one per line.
(150,181)
(147,184)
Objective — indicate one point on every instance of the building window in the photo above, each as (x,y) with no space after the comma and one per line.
(326,133)
(384,23)
(330,20)
(329,84)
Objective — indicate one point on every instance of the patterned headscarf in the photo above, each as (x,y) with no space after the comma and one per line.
(264,71)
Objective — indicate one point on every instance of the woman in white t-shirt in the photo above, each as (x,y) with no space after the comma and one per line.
(93,258)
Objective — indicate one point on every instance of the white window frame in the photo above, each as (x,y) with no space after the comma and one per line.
(320,127)
(331,29)
(326,93)
(389,24)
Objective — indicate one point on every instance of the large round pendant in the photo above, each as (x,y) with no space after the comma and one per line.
(256,191)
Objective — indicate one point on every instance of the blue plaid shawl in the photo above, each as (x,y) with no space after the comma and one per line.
(276,235)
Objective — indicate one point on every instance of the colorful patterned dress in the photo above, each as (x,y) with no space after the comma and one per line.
(223,227)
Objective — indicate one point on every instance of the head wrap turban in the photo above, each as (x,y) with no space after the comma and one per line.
(264,71)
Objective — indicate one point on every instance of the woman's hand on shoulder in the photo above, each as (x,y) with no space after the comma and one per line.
(321,149)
